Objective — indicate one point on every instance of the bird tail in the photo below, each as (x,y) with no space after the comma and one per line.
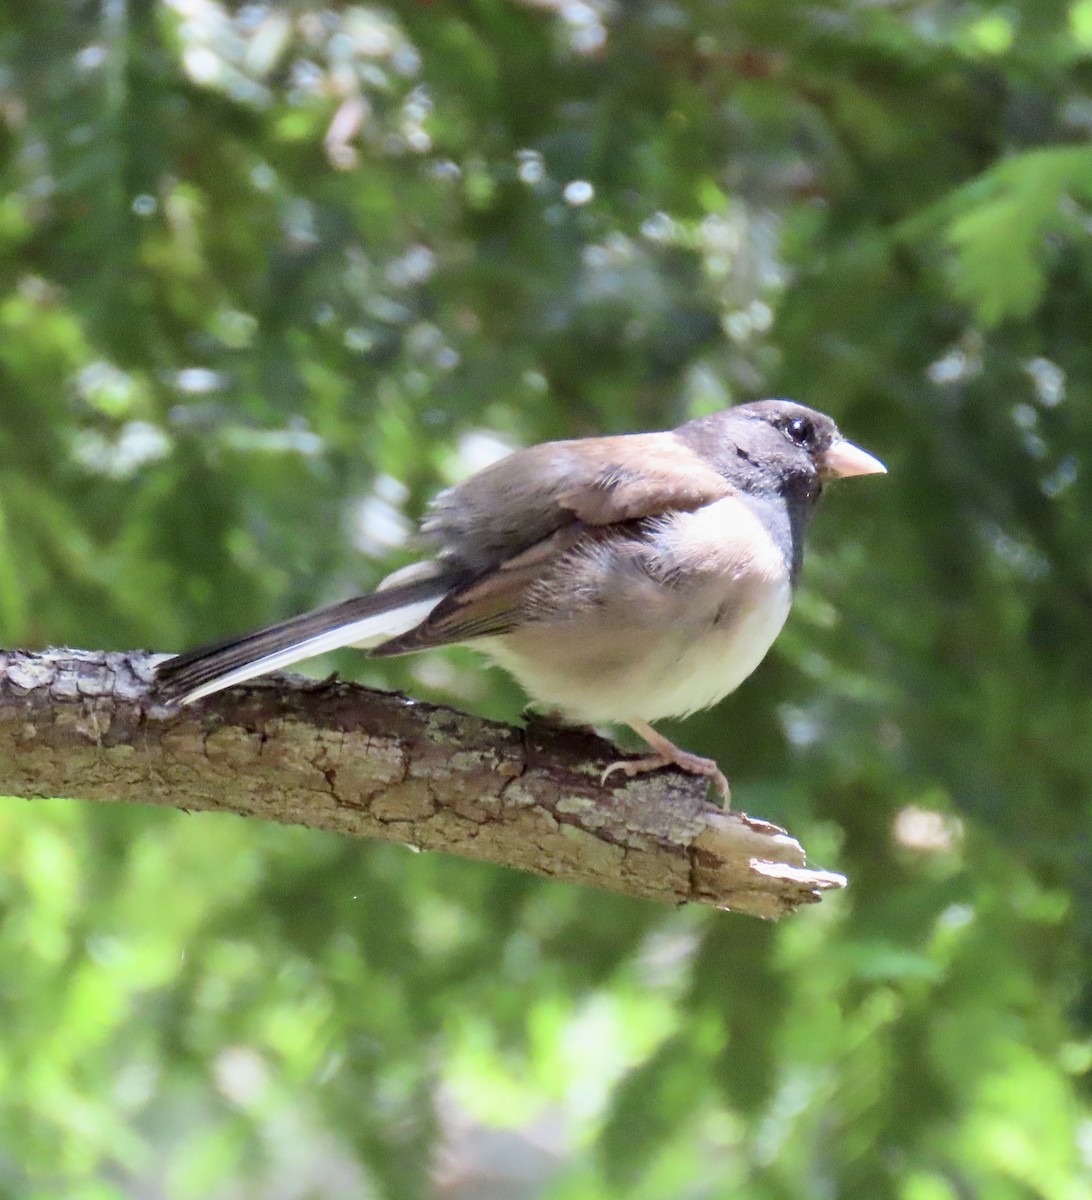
(362,621)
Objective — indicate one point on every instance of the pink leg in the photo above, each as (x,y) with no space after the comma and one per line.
(668,754)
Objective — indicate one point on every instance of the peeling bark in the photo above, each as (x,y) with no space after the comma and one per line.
(340,757)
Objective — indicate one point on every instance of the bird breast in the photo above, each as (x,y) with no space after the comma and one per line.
(658,627)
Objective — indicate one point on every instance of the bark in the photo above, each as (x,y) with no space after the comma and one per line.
(335,756)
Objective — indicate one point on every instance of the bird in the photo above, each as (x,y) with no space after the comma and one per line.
(621,580)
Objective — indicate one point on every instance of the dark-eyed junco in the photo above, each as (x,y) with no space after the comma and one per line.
(619,579)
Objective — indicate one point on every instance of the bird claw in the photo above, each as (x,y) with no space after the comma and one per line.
(692,764)
(633,766)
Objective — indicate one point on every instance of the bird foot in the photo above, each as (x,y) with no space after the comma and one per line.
(693,764)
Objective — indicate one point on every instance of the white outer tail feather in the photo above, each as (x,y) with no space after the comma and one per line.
(369,631)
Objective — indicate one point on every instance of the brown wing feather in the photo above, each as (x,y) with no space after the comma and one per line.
(669,478)
(523,499)
(490,605)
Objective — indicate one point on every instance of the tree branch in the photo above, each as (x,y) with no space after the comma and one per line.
(340,757)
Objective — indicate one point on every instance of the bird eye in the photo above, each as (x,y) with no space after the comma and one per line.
(800,431)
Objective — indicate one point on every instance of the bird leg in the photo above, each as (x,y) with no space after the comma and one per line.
(668,754)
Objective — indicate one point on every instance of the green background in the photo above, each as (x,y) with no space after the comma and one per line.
(269,276)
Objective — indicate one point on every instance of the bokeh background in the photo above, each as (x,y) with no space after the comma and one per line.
(272,273)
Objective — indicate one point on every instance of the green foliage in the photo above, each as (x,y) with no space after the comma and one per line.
(270,275)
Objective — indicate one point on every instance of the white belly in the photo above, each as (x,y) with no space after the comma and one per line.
(714,664)
(598,674)
(662,650)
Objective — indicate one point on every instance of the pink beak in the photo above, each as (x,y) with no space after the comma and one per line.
(844,459)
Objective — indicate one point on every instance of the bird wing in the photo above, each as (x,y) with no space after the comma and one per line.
(510,524)
(512,505)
